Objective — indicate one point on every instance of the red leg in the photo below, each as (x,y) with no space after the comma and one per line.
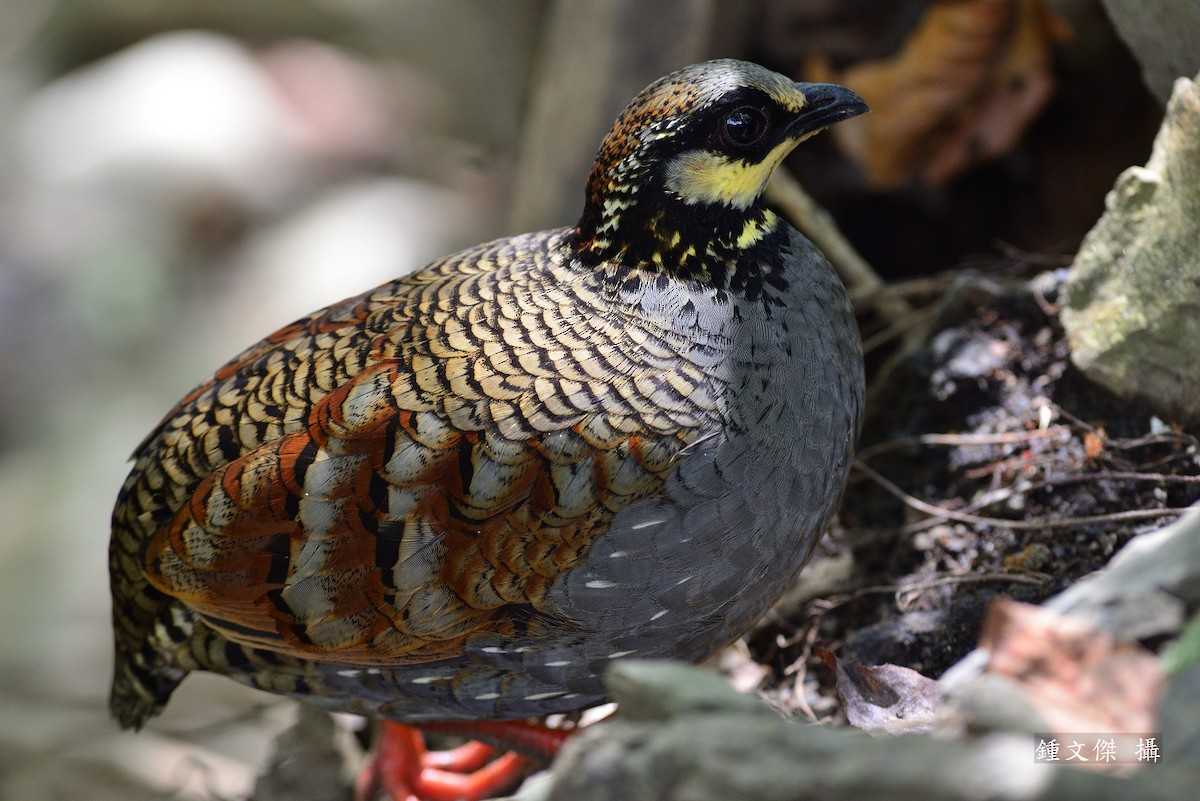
(528,738)
(406,771)
(466,758)
(396,765)
(493,778)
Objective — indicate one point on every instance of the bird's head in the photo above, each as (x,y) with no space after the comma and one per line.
(679,179)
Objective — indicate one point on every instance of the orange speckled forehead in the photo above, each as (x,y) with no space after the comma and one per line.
(664,104)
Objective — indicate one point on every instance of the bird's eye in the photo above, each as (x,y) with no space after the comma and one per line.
(743,126)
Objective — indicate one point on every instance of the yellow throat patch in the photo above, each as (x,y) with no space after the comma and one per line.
(701,176)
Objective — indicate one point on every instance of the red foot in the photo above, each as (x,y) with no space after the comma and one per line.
(406,771)
(517,735)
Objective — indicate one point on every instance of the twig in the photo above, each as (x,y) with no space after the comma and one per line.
(1156,438)
(1033,258)
(945,581)
(832,602)
(1020,464)
(799,671)
(818,225)
(1003,494)
(904,328)
(1002,438)
(922,287)
(1017,525)
(904,592)
(1111,475)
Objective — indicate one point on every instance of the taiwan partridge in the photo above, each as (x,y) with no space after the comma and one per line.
(459,496)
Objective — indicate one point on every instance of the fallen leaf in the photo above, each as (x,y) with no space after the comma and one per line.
(884,698)
(1093,443)
(1078,678)
(963,88)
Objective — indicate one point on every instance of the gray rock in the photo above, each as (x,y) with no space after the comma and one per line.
(1164,36)
(306,763)
(710,745)
(656,690)
(1132,305)
(1146,575)
(1179,717)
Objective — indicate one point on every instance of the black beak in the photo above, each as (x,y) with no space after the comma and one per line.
(827,103)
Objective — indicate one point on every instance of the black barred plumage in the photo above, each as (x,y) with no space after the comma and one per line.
(461,494)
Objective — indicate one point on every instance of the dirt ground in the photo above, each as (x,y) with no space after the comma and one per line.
(989,467)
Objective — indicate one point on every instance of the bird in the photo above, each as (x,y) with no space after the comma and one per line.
(463,494)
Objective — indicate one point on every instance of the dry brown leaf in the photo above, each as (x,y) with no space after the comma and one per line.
(884,698)
(1077,677)
(962,90)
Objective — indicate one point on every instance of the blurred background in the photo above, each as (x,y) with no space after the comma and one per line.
(177,180)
